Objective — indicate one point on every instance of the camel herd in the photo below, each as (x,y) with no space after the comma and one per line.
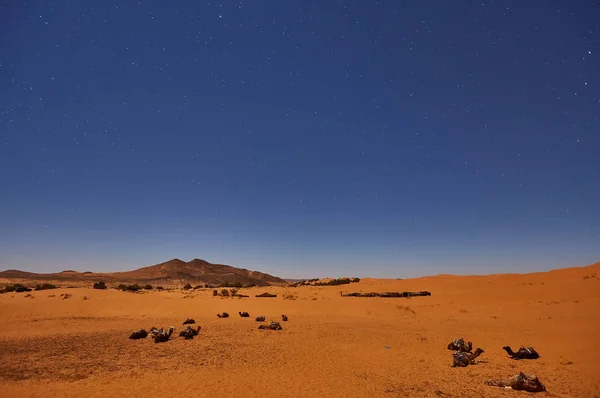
(162,335)
(462,357)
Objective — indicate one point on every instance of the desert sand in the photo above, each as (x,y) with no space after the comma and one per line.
(331,346)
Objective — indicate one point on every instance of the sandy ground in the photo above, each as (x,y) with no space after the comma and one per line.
(332,346)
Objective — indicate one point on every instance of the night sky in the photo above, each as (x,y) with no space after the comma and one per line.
(300,138)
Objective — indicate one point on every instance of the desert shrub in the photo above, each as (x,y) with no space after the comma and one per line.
(336,282)
(45,286)
(233,291)
(215,292)
(159,288)
(100,285)
(17,287)
(21,289)
(129,288)
(198,287)
(225,293)
(355,280)
(187,286)
(148,287)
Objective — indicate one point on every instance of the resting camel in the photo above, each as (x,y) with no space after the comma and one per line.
(138,334)
(260,319)
(154,331)
(284,318)
(223,315)
(460,345)
(463,359)
(163,336)
(244,314)
(189,321)
(271,326)
(189,333)
(523,353)
(522,381)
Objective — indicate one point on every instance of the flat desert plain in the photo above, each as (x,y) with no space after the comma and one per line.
(332,346)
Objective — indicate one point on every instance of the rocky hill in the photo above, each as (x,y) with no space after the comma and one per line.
(173,272)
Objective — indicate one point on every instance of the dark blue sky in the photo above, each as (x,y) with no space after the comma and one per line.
(300,138)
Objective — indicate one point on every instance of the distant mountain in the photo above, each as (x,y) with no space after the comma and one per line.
(173,272)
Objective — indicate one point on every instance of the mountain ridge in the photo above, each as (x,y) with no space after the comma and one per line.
(171,272)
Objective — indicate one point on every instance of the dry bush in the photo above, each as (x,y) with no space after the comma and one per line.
(405,308)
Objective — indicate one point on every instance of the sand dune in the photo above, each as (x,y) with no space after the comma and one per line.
(332,346)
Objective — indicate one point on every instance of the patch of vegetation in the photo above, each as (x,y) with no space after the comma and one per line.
(159,288)
(148,287)
(100,285)
(13,288)
(187,286)
(129,288)
(233,291)
(333,282)
(250,285)
(45,286)
(225,293)
(337,282)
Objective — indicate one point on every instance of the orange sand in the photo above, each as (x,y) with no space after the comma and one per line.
(331,346)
